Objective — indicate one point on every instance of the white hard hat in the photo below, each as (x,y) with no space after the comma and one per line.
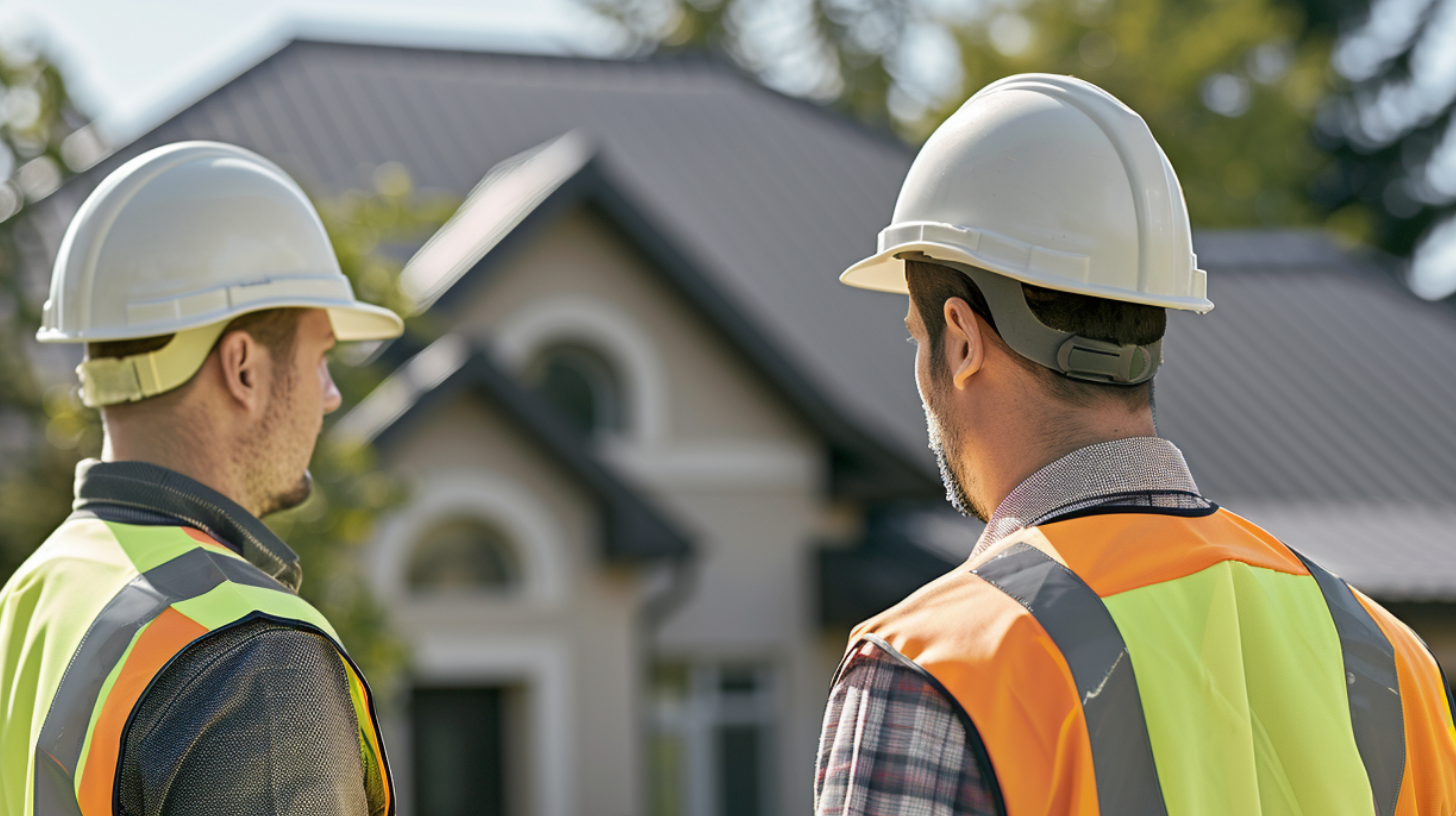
(1052,181)
(181,240)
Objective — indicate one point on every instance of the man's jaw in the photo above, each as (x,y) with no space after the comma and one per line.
(955,490)
(291,498)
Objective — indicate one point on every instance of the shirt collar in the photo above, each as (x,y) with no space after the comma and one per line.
(1137,465)
(151,488)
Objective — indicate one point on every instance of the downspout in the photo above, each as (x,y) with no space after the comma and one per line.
(682,575)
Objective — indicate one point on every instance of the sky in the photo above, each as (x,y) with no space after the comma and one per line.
(131,64)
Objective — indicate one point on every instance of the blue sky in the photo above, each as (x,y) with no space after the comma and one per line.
(133,63)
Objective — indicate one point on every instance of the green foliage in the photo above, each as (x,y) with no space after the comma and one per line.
(42,434)
(1229,87)
(373,230)
(841,50)
(1172,62)
(1391,130)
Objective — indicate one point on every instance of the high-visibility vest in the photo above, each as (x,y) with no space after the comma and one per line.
(1175,663)
(87,623)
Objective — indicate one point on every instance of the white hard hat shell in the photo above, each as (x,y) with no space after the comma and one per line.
(1051,181)
(196,233)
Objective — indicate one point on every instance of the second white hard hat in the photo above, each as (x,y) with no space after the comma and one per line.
(181,240)
(1051,181)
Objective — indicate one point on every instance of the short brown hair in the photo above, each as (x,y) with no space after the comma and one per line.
(274,329)
(1124,324)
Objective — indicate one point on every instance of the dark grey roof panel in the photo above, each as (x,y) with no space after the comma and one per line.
(1319,378)
(856,584)
(1225,249)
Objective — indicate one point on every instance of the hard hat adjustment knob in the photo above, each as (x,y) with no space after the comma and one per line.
(1082,358)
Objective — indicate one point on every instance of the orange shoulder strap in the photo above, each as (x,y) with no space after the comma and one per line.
(1428,783)
(1034,659)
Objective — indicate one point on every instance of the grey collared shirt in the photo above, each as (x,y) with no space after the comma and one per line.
(1140,471)
(892,744)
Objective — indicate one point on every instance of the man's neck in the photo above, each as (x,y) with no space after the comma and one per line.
(1006,465)
(196,459)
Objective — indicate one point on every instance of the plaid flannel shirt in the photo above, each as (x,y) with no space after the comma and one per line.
(892,744)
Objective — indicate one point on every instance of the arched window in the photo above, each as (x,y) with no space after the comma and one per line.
(582,385)
(462,555)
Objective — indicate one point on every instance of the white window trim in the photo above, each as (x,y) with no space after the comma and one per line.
(605,329)
(701,713)
(493,498)
(543,666)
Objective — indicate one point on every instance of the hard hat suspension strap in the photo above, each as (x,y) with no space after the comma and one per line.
(111,381)
(1069,354)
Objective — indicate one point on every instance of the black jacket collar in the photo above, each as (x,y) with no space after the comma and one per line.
(152,489)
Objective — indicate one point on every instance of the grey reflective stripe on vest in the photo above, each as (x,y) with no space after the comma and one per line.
(63,734)
(1372,685)
(1083,630)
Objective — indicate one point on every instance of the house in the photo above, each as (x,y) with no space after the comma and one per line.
(662,461)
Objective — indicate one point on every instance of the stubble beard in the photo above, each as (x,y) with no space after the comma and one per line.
(943,439)
(275,492)
(291,497)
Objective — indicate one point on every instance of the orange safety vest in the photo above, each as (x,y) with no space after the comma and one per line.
(1148,661)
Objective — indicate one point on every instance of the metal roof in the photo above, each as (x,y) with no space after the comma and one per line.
(525,195)
(1317,380)
(1318,377)
(770,195)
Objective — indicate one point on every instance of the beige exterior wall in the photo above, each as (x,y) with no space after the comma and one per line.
(709,443)
(566,642)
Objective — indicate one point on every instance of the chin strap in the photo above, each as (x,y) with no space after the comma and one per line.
(111,380)
(1071,355)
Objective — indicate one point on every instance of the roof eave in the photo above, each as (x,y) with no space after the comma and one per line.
(861,467)
(634,530)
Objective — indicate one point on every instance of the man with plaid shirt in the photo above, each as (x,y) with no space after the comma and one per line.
(892,741)
(1116,643)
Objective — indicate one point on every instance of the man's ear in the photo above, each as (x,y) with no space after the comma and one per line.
(244,368)
(965,341)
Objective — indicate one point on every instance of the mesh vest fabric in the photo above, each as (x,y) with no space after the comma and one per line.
(1223,646)
(90,620)
(253,719)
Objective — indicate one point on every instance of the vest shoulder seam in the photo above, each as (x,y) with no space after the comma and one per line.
(275,626)
(974,743)
(1131,510)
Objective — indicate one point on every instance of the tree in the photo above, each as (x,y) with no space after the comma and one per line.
(1229,87)
(1391,132)
(42,140)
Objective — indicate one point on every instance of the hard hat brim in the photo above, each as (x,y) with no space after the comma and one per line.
(351,320)
(885,272)
(364,321)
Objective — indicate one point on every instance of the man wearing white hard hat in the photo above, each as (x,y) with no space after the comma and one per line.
(1116,643)
(155,658)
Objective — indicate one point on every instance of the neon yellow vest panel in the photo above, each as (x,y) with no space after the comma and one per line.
(88,622)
